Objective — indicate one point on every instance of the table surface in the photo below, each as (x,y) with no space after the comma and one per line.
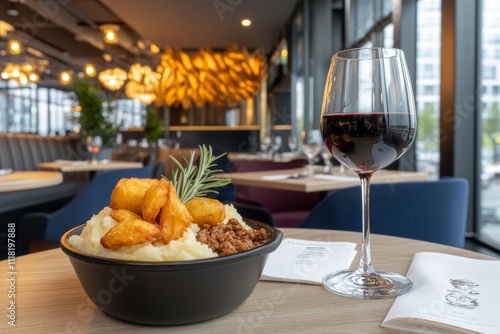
(87,166)
(49,298)
(318,181)
(284,157)
(23,180)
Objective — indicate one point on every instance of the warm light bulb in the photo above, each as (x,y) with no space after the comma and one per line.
(5,75)
(107,57)
(246,22)
(34,77)
(14,47)
(90,70)
(154,49)
(23,80)
(65,77)
(110,36)
(110,33)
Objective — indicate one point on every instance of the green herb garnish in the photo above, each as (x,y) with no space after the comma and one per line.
(197,181)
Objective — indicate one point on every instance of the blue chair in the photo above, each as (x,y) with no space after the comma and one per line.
(434,211)
(49,227)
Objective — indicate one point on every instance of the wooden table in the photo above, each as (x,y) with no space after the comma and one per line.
(24,180)
(279,179)
(49,298)
(87,166)
(283,157)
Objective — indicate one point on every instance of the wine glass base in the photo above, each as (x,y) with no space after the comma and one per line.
(377,285)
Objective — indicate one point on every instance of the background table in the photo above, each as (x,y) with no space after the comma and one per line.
(318,181)
(84,166)
(49,297)
(24,180)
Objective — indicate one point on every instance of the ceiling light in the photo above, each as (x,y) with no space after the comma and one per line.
(110,33)
(154,48)
(23,80)
(34,77)
(246,22)
(5,28)
(14,47)
(65,77)
(113,79)
(22,73)
(107,57)
(35,52)
(141,45)
(90,70)
(12,10)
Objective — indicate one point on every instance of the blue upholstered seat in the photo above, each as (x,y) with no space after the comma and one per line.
(433,211)
(90,200)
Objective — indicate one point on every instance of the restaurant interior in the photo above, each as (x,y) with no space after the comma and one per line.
(155,79)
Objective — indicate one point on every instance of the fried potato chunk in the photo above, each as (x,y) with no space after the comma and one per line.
(174,217)
(122,215)
(155,199)
(129,194)
(130,232)
(206,210)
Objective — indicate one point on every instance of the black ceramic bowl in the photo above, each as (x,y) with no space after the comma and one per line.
(170,293)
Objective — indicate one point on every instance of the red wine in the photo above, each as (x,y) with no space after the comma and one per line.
(367,142)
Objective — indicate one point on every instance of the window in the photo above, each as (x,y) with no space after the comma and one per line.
(488,229)
(48,111)
(428,86)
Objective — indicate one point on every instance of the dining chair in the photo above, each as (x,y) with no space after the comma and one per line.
(434,211)
(49,227)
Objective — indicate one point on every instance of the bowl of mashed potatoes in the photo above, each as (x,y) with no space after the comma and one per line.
(206,272)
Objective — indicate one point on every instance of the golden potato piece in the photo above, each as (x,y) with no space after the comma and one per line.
(129,193)
(206,210)
(155,199)
(130,232)
(174,217)
(122,215)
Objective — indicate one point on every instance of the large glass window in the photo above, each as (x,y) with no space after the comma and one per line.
(428,85)
(489,225)
(49,111)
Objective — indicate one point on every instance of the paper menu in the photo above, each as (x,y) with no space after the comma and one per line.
(451,294)
(307,261)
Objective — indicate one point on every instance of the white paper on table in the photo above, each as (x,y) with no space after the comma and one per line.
(7,171)
(276,177)
(307,261)
(336,177)
(450,294)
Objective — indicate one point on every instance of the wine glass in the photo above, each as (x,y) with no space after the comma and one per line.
(276,144)
(94,144)
(292,143)
(326,156)
(368,121)
(265,145)
(311,146)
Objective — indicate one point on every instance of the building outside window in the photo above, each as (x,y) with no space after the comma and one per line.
(488,229)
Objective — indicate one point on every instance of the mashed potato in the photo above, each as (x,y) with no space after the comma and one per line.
(185,248)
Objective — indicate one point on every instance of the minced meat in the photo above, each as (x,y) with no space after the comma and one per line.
(230,238)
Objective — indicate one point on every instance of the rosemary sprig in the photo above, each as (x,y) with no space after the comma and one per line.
(196,181)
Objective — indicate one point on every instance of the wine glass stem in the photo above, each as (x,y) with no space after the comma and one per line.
(365,264)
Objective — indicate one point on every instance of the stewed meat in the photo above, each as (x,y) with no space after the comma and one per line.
(231,238)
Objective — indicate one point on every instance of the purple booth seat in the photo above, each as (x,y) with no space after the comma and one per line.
(288,208)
